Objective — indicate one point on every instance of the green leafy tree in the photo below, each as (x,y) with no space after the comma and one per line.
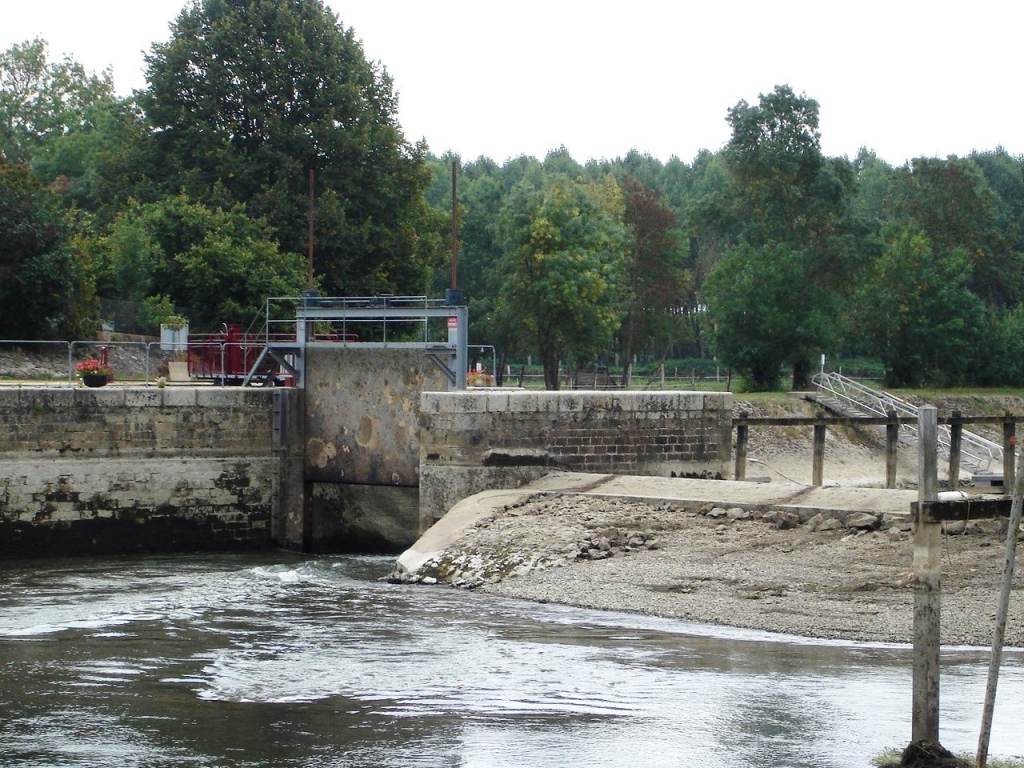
(761,314)
(41,101)
(41,284)
(782,196)
(916,310)
(481,196)
(216,266)
(104,163)
(954,205)
(1005,176)
(249,96)
(561,276)
(999,360)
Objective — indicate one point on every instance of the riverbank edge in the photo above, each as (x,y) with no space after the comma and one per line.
(831,563)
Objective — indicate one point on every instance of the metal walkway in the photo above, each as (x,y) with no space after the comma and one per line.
(979,456)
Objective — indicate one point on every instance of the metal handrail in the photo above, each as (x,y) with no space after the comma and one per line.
(980,452)
(78,344)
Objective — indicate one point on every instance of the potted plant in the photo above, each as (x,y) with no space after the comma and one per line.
(93,373)
(479,379)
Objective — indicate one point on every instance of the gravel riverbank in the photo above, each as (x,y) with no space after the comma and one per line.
(843,577)
(730,567)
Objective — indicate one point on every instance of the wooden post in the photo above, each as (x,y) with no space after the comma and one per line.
(892,439)
(927,585)
(1009,463)
(1002,609)
(818,465)
(741,449)
(956,430)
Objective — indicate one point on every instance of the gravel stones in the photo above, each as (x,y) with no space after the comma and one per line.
(827,576)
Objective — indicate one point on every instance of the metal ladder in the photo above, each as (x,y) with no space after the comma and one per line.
(849,397)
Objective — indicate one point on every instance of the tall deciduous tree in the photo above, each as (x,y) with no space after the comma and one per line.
(249,96)
(40,278)
(917,313)
(216,266)
(953,203)
(561,276)
(41,101)
(784,197)
(656,279)
(761,314)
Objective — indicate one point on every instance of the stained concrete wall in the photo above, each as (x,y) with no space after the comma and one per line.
(483,440)
(362,446)
(127,469)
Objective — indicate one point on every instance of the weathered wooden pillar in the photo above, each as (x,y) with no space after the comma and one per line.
(927,584)
(892,439)
(1009,464)
(956,431)
(741,449)
(818,465)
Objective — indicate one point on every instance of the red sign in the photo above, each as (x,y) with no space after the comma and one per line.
(453,322)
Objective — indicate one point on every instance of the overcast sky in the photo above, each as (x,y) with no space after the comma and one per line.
(501,79)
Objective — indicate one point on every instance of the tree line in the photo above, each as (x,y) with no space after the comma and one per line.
(192,196)
(765,254)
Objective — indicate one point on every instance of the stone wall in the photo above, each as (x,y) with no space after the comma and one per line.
(480,440)
(127,469)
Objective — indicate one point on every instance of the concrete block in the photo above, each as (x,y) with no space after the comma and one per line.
(179,397)
(219,397)
(567,402)
(142,397)
(10,397)
(468,402)
(601,403)
(103,397)
(524,402)
(496,402)
(48,397)
(430,402)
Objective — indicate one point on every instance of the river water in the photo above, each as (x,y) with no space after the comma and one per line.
(280,660)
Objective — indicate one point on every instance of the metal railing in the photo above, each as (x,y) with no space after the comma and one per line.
(355,319)
(74,352)
(979,452)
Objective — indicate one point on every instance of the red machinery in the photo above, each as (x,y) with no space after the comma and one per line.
(228,356)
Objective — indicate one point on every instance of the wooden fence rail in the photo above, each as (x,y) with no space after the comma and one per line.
(892,423)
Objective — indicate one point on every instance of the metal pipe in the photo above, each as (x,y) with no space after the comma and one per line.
(1001,612)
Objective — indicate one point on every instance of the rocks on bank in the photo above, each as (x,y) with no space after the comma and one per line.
(552,530)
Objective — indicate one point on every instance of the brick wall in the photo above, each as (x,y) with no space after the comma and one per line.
(480,440)
(127,469)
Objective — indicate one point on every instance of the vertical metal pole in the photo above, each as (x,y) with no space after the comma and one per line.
(461,347)
(1001,611)
(818,460)
(741,449)
(455,229)
(309,266)
(927,585)
(892,439)
(956,430)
